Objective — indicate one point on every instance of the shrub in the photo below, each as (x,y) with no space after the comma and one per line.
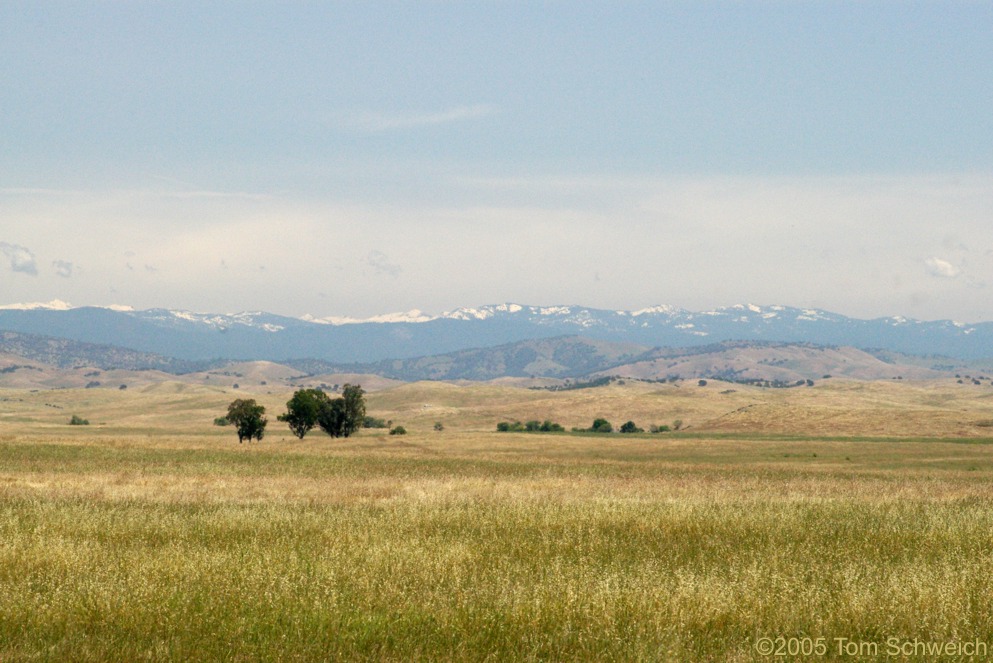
(78,421)
(601,426)
(510,427)
(374,422)
(631,427)
(221,421)
(533,426)
(398,430)
(438,426)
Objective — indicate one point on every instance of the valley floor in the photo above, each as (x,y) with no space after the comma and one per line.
(152,535)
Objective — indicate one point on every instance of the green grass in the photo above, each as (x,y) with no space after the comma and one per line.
(486,546)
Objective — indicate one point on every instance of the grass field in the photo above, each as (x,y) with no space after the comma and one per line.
(152,535)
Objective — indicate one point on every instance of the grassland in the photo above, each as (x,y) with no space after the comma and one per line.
(152,535)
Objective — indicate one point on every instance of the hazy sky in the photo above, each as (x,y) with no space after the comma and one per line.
(358,158)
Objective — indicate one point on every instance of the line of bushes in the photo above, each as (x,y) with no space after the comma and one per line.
(600,425)
(533,426)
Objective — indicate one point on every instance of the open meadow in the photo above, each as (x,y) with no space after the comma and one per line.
(845,521)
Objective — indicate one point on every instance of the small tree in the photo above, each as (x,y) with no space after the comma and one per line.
(249,418)
(302,410)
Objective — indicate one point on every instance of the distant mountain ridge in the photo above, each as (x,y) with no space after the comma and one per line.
(28,360)
(259,335)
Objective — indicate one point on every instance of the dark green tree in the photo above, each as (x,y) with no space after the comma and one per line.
(331,417)
(354,412)
(302,410)
(249,418)
(340,417)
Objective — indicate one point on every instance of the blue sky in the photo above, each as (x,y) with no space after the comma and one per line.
(351,159)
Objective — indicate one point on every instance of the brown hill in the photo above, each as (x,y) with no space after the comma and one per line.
(773,362)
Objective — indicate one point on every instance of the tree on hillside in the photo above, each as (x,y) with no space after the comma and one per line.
(303,409)
(249,419)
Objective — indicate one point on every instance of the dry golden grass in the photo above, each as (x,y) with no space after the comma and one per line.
(153,535)
(832,408)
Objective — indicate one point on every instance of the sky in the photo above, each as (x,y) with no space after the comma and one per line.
(351,159)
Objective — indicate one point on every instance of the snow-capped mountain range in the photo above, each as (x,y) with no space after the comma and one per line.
(260,335)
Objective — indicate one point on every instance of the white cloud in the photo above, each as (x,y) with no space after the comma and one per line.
(941,268)
(382,264)
(392,121)
(21,258)
(63,268)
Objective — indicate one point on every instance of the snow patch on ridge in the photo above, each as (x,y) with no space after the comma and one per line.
(663,309)
(54,305)
(413,315)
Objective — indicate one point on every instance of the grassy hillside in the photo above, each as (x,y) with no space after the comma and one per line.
(28,362)
(937,408)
